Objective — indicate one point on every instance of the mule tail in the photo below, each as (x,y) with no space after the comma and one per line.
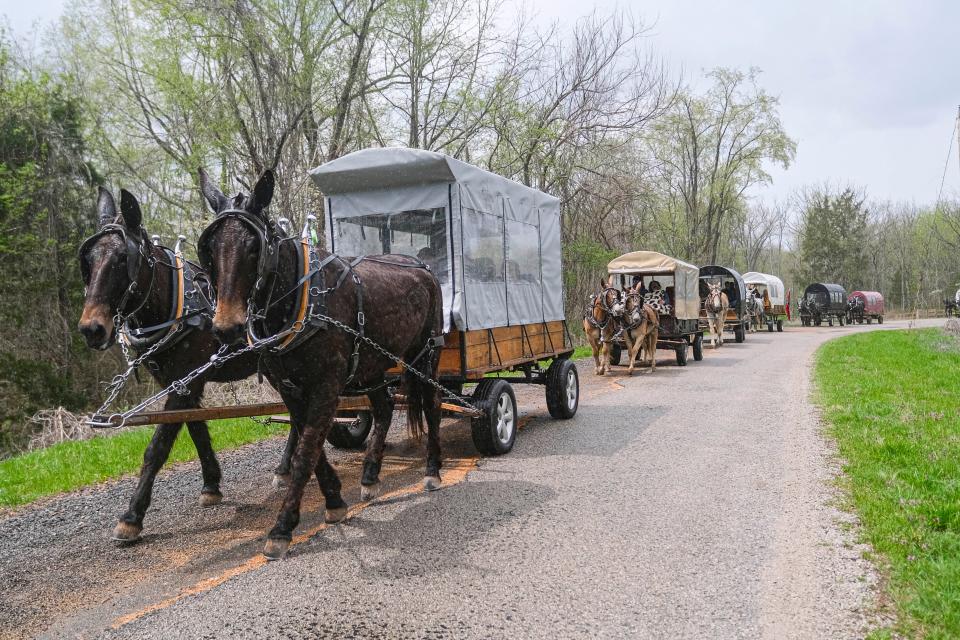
(423,398)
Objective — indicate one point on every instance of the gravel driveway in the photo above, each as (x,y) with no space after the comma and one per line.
(693,502)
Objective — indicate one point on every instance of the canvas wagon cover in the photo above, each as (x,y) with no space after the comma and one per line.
(502,237)
(872,300)
(686,276)
(774,285)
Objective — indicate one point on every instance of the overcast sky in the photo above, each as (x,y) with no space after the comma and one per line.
(869,90)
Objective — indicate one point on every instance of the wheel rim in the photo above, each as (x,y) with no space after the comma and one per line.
(506,417)
(358,427)
(571,390)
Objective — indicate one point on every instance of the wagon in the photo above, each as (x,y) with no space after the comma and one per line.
(823,301)
(494,246)
(873,307)
(776,299)
(738,319)
(680,322)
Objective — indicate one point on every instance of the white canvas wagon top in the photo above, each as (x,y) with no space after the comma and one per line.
(493,243)
(686,295)
(772,284)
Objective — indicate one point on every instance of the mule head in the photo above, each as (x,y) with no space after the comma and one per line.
(232,250)
(110,262)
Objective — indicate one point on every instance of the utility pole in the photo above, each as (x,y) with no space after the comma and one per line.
(958,132)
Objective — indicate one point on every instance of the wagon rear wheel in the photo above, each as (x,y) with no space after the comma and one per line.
(563,389)
(353,435)
(495,432)
(879,319)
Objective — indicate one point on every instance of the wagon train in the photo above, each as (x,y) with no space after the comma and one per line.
(776,298)
(865,307)
(823,302)
(672,288)
(737,318)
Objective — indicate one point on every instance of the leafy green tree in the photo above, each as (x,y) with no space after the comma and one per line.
(46,208)
(834,238)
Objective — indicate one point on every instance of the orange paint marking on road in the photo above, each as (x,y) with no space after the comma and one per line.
(454,473)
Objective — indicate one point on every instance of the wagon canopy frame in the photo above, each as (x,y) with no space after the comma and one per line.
(686,287)
(493,243)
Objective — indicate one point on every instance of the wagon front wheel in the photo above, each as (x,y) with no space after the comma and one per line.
(780,325)
(563,389)
(739,335)
(698,347)
(495,432)
(682,355)
(616,352)
(351,435)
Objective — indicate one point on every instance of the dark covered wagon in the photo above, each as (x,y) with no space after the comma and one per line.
(823,302)
(865,307)
(738,319)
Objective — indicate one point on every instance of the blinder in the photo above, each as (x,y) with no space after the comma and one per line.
(268,254)
(136,250)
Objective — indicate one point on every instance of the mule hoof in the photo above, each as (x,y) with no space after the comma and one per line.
(371,492)
(126,532)
(333,516)
(210,499)
(431,483)
(275,549)
(281,481)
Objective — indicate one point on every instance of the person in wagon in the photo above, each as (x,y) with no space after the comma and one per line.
(637,285)
(655,286)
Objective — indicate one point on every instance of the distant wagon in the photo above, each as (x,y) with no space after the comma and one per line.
(865,306)
(737,320)
(493,244)
(776,299)
(679,320)
(823,302)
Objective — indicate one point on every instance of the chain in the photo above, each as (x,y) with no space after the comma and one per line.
(348,329)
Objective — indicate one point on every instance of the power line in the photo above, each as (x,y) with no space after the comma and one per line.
(946,164)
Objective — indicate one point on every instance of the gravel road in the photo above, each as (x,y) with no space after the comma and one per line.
(688,503)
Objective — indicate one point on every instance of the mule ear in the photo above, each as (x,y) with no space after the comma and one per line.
(262,192)
(106,207)
(603,283)
(130,210)
(214,197)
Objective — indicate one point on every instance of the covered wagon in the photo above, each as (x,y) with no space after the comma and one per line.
(865,306)
(732,283)
(823,301)
(493,244)
(776,298)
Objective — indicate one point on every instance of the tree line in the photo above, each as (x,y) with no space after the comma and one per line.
(139,93)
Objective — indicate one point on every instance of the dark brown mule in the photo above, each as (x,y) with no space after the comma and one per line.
(395,300)
(599,324)
(119,254)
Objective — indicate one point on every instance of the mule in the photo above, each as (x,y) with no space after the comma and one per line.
(393,301)
(755,312)
(129,277)
(599,325)
(716,305)
(640,327)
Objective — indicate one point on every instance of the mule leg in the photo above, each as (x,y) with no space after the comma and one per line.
(131,522)
(330,487)
(210,494)
(633,346)
(281,475)
(382,417)
(431,408)
(652,351)
(319,415)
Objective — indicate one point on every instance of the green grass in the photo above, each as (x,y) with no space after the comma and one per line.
(70,465)
(891,399)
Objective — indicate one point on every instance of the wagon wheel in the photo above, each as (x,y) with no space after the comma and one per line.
(496,430)
(780,325)
(698,347)
(739,335)
(770,326)
(879,319)
(353,435)
(682,354)
(563,389)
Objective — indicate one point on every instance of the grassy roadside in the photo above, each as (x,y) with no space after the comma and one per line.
(70,465)
(891,399)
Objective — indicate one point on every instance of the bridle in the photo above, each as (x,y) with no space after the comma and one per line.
(600,300)
(714,302)
(639,303)
(138,248)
